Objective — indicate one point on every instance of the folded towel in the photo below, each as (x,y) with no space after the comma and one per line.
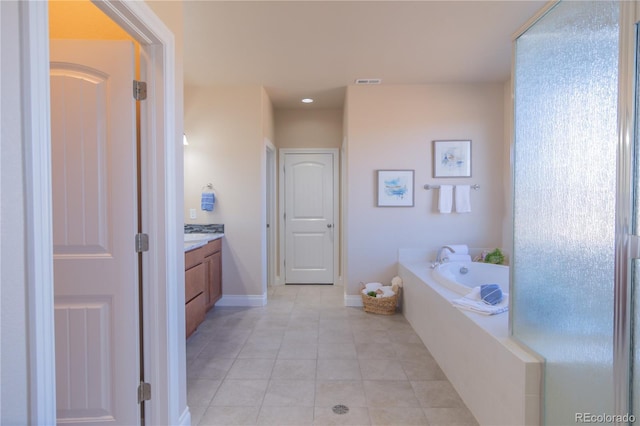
(372,286)
(473,302)
(463,199)
(387,291)
(207,201)
(455,257)
(459,248)
(491,293)
(445,201)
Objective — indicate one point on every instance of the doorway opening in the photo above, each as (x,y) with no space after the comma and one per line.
(309,216)
(159,166)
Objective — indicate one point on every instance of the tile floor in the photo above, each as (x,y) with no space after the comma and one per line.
(291,362)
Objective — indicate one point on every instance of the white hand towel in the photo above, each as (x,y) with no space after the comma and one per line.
(473,302)
(387,292)
(446,198)
(463,199)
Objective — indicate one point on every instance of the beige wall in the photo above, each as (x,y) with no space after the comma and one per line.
(226,129)
(392,127)
(268,117)
(308,129)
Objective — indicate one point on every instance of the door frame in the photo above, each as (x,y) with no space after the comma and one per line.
(627,245)
(270,205)
(336,207)
(165,359)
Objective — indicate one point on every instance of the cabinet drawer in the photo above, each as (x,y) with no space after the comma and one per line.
(194,314)
(193,282)
(193,257)
(212,247)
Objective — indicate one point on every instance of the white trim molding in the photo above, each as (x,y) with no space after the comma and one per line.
(353,301)
(251,300)
(34,17)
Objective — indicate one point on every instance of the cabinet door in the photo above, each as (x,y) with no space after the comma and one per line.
(194,313)
(213,279)
(208,301)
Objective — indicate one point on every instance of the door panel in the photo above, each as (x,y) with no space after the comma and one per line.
(309,221)
(94,222)
(564,197)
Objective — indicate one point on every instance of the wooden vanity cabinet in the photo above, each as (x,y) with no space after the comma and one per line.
(194,289)
(202,282)
(213,273)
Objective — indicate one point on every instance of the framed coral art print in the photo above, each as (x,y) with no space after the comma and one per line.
(451,158)
(395,188)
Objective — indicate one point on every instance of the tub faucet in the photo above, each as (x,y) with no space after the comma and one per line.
(439,258)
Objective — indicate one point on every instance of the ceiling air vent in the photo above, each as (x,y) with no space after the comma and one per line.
(368,81)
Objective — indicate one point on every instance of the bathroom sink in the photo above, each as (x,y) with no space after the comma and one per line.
(195,240)
(195,237)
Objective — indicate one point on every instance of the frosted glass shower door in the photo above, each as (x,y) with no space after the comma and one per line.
(566,83)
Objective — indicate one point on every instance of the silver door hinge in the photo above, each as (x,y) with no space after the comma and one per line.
(144,392)
(139,90)
(142,243)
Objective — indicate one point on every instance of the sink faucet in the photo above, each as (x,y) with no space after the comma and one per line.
(439,258)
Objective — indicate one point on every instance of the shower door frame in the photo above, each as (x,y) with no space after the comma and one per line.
(627,244)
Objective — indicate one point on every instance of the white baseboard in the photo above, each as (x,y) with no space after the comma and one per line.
(243,300)
(352,300)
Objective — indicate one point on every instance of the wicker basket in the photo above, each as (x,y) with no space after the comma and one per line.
(380,305)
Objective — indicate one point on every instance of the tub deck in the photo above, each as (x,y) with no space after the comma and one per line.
(498,380)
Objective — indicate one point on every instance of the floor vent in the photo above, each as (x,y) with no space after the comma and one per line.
(340,409)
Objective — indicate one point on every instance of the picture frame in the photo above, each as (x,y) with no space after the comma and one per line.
(451,158)
(395,188)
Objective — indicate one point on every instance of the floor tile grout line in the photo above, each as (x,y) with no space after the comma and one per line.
(348,321)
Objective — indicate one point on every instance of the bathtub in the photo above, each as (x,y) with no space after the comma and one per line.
(498,380)
(461,277)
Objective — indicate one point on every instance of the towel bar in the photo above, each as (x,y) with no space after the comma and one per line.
(428,187)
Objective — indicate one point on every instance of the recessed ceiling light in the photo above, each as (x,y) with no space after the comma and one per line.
(307,100)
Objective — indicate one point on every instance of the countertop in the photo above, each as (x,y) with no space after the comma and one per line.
(193,241)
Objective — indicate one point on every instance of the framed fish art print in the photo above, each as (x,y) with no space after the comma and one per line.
(395,188)
(451,159)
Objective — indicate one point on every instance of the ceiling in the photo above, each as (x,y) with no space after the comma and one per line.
(298,49)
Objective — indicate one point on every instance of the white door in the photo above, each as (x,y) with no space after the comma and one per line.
(94,223)
(309,218)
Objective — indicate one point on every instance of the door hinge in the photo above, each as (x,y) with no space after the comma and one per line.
(139,90)
(144,392)
(142,243)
